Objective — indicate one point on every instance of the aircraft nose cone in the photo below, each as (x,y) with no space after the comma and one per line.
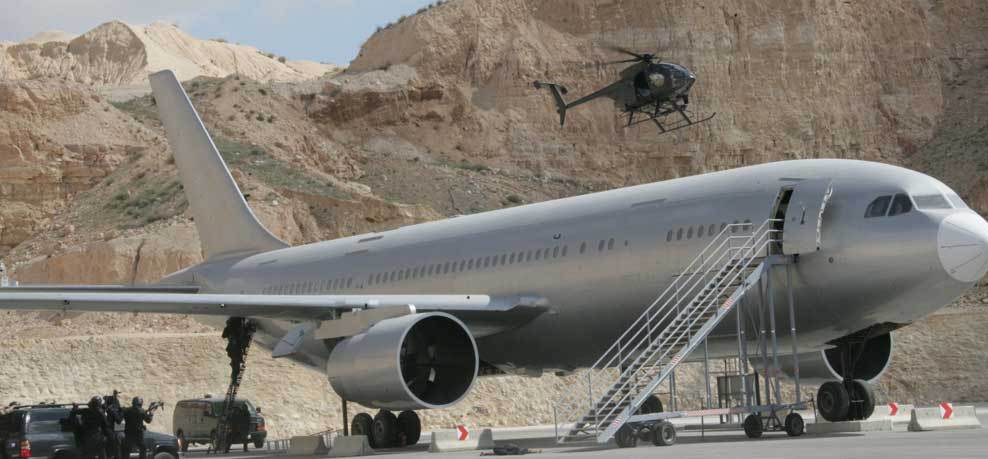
(962,244)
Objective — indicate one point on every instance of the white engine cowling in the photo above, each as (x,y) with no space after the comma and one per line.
(822,366)
(418,361)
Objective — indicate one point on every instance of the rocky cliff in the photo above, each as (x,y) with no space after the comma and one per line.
(116,54)
(437,117)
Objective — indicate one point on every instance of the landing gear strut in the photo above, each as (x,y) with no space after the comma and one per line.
(385,430)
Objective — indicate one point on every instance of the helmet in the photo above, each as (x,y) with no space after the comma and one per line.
(137,402)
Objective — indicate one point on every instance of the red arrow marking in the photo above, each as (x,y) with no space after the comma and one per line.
(464,433)
(947,410)
(894,407)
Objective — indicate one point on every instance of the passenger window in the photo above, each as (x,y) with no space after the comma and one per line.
(349,282)
(463,264)
(878,207)
(689,233)
(734,226)
(722,226)
(494,261)
(470,264)
(446,268)
(583,246)
(747,225)
(600,246)
(610,244)
(555,252)
(699,231)
(504,257)
(669,236)
(487,262)
(679,235)
(930,201)
(712,229)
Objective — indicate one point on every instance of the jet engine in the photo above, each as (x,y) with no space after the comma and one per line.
(417,361)
(816,367)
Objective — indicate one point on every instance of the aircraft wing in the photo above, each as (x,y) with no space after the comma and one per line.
(286,307)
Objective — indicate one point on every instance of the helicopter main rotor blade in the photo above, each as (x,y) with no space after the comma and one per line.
(621,50)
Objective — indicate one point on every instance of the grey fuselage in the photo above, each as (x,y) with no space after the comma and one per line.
(603,257)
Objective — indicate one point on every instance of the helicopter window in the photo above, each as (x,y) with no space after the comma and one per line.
(901,204)
(931,201)
(878,207)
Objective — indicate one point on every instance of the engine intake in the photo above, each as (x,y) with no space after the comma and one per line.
(826,365)
(418,361)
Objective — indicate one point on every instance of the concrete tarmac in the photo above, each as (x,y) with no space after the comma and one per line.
(734,444)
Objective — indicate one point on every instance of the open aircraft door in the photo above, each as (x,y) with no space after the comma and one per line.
(801,231)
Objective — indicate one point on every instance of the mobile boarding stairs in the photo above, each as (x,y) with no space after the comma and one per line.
(740,258)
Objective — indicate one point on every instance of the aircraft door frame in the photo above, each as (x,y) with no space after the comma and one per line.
(802,228)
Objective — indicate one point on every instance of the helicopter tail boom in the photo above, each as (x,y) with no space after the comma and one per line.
(557,94)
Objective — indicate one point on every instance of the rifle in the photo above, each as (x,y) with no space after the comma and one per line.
(154,406)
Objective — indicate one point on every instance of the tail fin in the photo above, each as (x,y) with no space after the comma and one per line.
(225,223)
(557,95)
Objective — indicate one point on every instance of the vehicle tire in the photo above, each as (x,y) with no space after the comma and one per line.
(385,429)
(258,444)
(362,424)
(213,445)
(794,425)
(409,426)
(862,398)
(626,437)
(651,405)
(164,455)
(753,425)
(182,442)
(664,434)
(833,401)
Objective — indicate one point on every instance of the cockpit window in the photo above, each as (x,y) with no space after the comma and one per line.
(878,207)
(956,201)
(931,201)
(900,205)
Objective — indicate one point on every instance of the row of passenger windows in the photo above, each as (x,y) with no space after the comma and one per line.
(704,230)
(438,269)
(488,262)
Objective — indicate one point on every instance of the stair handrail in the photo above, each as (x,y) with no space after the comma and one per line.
(693,280)
(678,332)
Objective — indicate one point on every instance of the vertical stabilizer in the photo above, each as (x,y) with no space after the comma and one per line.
(225,223)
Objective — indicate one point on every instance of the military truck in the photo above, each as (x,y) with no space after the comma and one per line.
(195,421)
(38,431)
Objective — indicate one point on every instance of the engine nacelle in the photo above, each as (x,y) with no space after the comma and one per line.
(822,366)
(418,361)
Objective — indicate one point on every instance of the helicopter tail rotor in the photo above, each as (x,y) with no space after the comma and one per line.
(558,91)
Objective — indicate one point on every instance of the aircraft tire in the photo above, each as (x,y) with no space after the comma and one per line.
(862,400)
(362,424)
(833,401)
(385,429)
(409,427)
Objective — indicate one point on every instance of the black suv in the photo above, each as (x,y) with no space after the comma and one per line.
(37,432)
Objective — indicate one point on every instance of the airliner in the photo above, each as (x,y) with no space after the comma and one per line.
(408,319)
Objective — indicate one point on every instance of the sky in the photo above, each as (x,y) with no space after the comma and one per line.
(319,30)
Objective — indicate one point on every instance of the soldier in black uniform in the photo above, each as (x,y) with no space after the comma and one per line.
(134,419)
(91,426)
(234,334)
(114,416)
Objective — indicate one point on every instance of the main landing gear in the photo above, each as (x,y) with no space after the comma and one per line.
(385,430)
(849,400)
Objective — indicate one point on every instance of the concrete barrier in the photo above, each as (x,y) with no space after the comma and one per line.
(354,445)
(449,440)
(870,425)
(307,446)
(899,414)
(946,416)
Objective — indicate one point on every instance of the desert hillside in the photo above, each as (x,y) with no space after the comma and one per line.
(115,54)
(435,118)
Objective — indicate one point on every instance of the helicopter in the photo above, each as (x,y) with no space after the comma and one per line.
(648,90)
